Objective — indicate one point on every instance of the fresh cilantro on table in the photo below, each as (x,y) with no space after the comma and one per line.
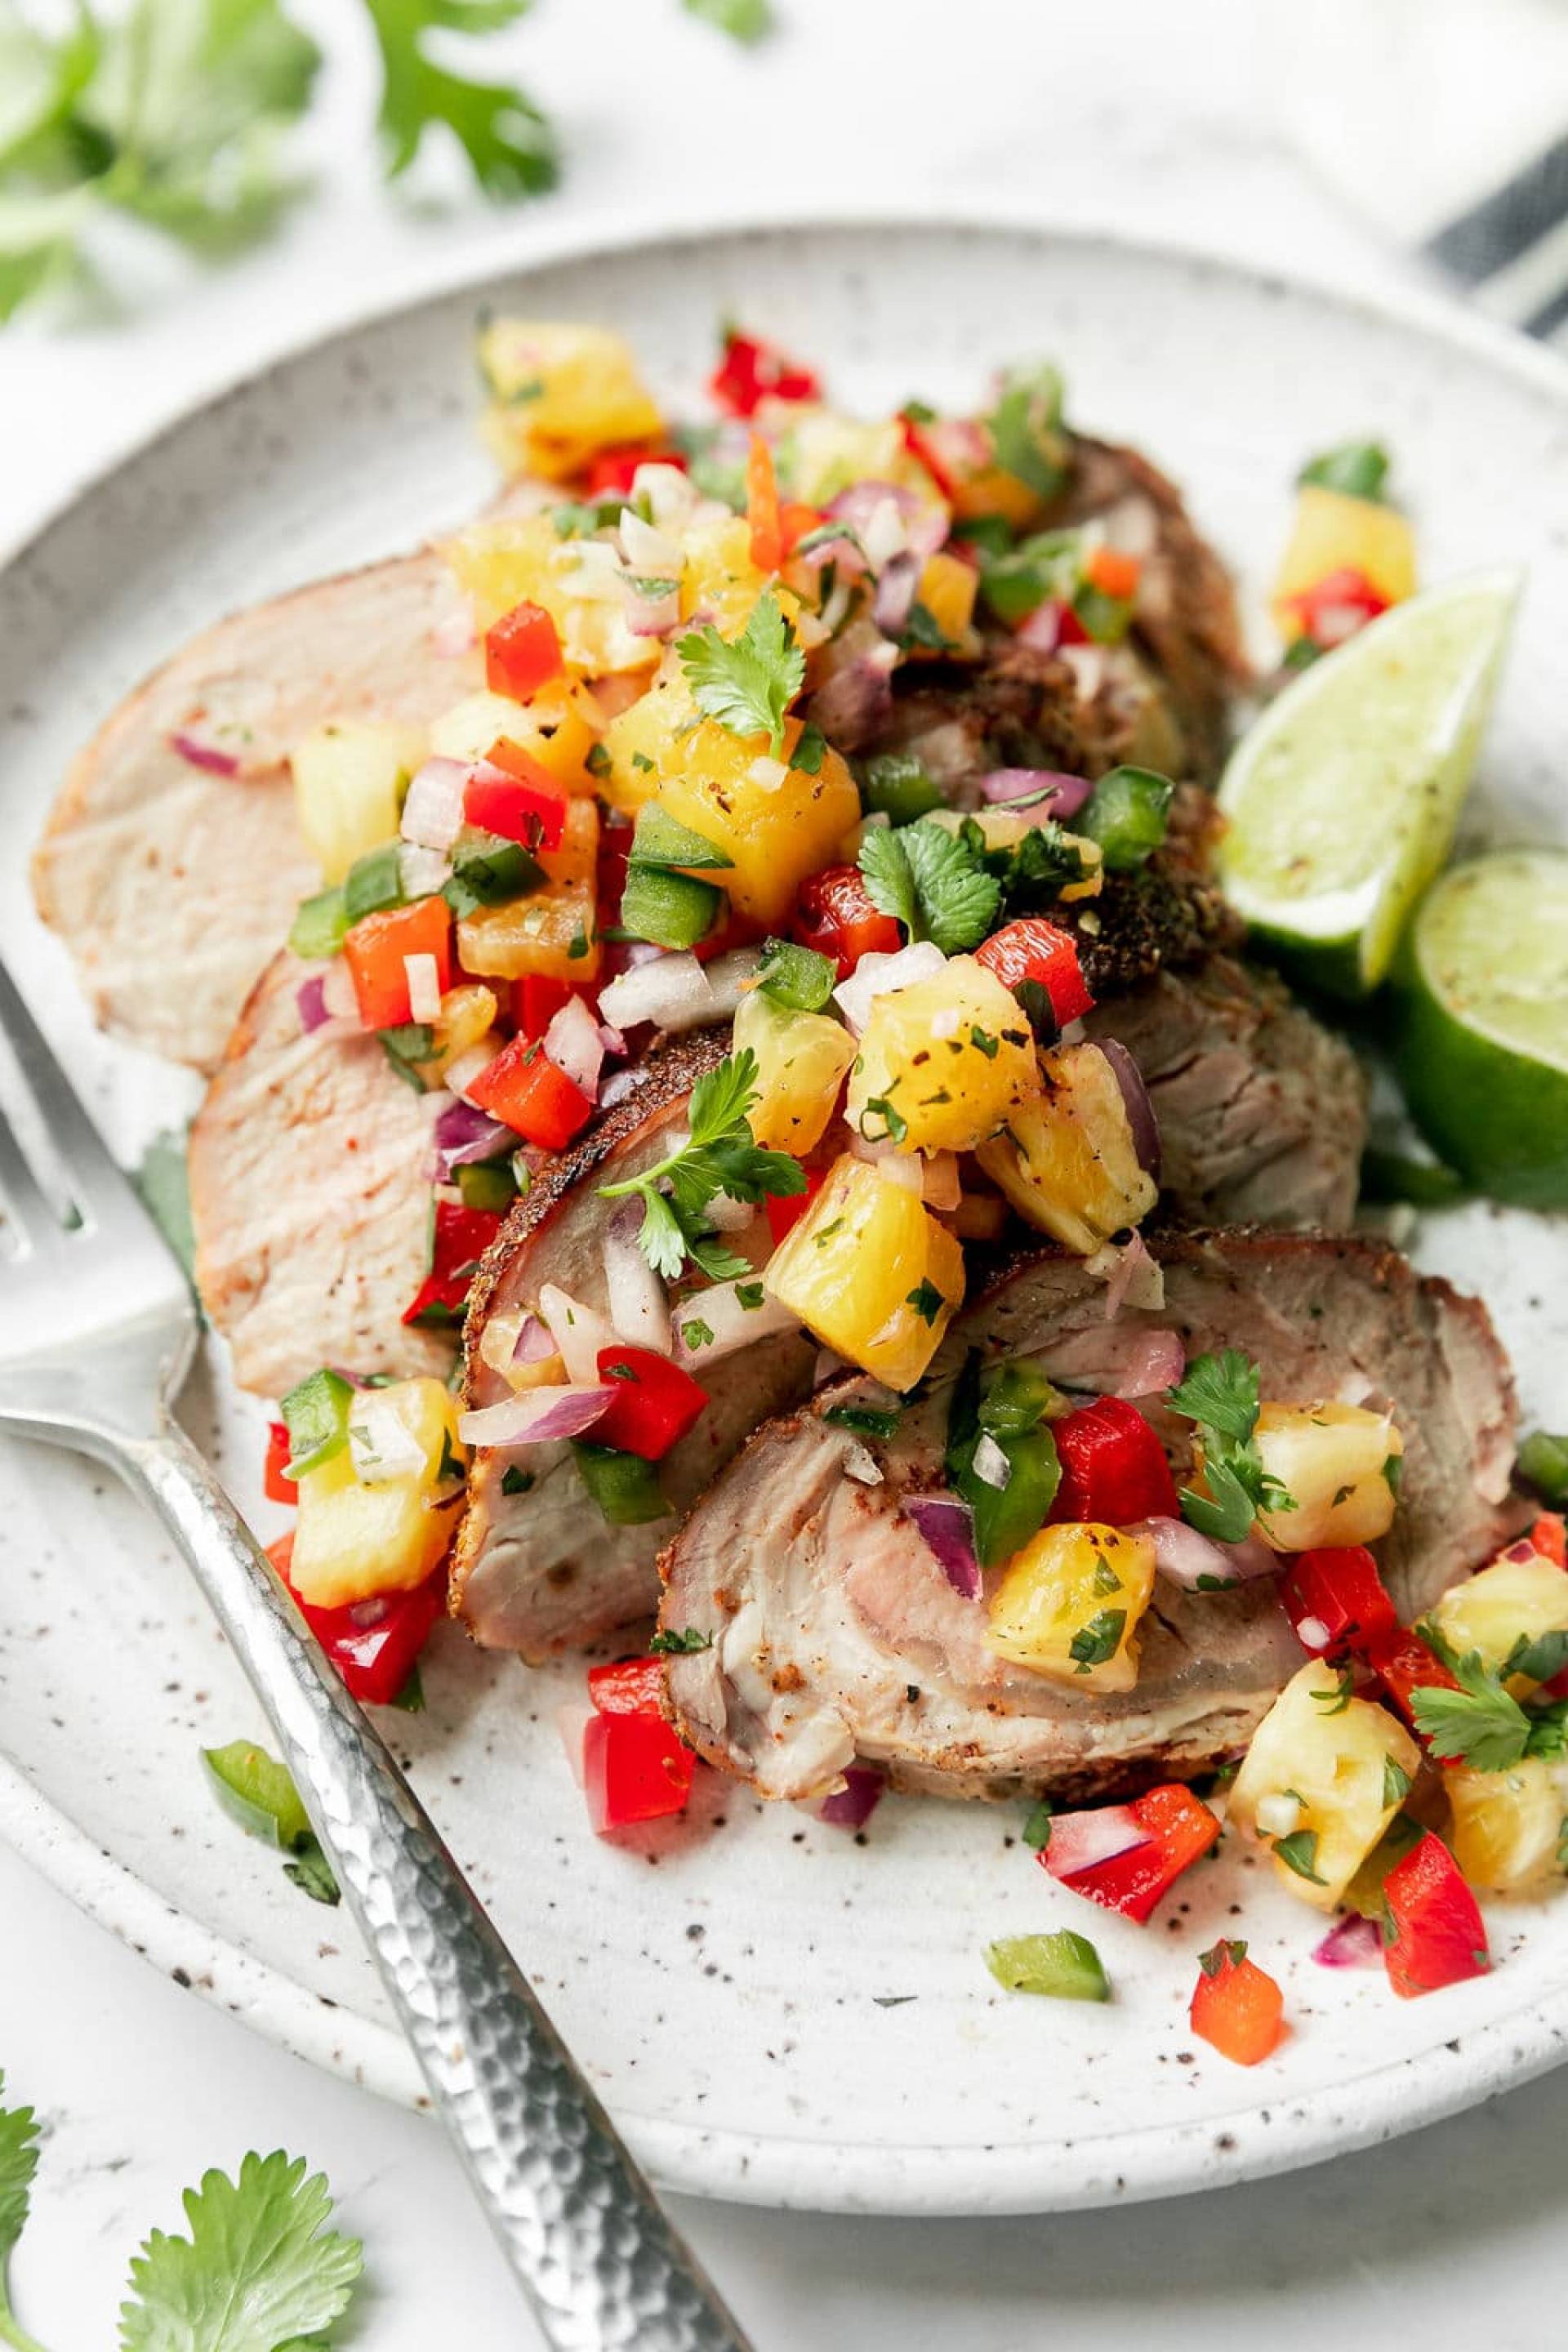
(260,2271)
(1220,1393)
(929,880)
(506,141)
(720,1155)
(747,684)
(18,2164)
(1481,1724)
(745,20)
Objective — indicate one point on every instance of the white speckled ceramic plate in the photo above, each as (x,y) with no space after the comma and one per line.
(773,2010)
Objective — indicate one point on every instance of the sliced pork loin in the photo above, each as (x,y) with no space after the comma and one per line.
(542,1571)
(836,1635)
(171,863)
(538,1571)
(310,1169)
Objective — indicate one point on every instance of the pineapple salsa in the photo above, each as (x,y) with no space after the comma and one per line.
(635,830)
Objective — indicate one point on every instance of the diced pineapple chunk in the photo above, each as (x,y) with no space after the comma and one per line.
(551,934)
(1336,534)
(1328,1773)
(642,738)
(775,823)
(559,727)
(944,1064)
(353,1539)
(720,582)
(350,778)
(558,392)
(947,589)
(1067,1161)
(868,1271)
(1507,1825)
(1334,1462)
(1070,1605)
(801,1061)
(578,582)
(1489,1611)
(822,454)
(468,1014)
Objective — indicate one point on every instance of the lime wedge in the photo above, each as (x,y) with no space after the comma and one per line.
(1343,797)
(1482,1022)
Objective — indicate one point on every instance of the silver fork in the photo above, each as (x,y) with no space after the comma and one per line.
(97,1328)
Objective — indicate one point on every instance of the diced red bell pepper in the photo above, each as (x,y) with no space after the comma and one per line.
(763,507)
(1236,2007)
(615,469)
(795,518)
(1336,606)
(629,1686)
(375,1643)
(926,445)
(523,1088)
(516,798)
(1114,1469)
(634,1770)
(1549,1537)
(1114,573)
(375,948)
(834,914)
(536,1001)
(786,1210)
(460,1237)
(522,652)
(654,1406)
(274,1486)
(1175,1827)
(1036,948)
(1336,1599)
(1402,1664)
(751,371)
(1434,1934)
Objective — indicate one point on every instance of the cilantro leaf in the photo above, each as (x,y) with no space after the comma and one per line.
(506,139)
(259,2271)
(1221,1391)
(720,1155)
(929,880)
(746,21)
(1220,1394)
(1026,430)
(749,684)
(1480,1724)
(19,2163)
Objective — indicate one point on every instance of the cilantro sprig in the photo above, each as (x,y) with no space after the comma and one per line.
(1482,1723)
(18,2165)
(1220,1394)
(748,683)
(720,1155)
(928,879)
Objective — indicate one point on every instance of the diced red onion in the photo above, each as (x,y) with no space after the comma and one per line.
(1135,1100)
(464,1135)
(424,978)
(843,551)
(1089,665)
(1186,1558)
(827,1367)
(876,975)
(653,616)
(433,811)
(861,1464)
(852,1806)
(896,586)
(1041,631)
(902,1168)
(637,1301)
(1132,1277)
(946,1524)
(925,526)
(674,992)
(991,1464)
(578,1332)
(1057,796)
(536,1416)
(645,547)
(1080,1841)
(381,1446)
(572,1043)
(310,996)
(1521,1550)
(207,756)
(453,635)
(533,1343)
(1353,1942)
(720,1311)
(611,1041)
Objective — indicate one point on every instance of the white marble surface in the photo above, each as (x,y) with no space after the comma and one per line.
(1134,112)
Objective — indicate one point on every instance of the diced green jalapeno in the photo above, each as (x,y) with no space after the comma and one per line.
(1064,1966)
(1015,1399)
(895,785)
(319,924)
(673,910)
(488,871)
(1543,1462)
(1046,565)
(316,1414)
(257,1792)
(1126,814)
(797,978)
(623,1485)
(1006,1516)
(661,841)
(486,1185)
(373,883)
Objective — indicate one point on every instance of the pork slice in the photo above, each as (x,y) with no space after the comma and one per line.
(172,883)
(836,1633)
(309,1170)
(542,1571)
(1262,1111)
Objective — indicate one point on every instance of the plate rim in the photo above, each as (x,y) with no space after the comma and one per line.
(1122,2164)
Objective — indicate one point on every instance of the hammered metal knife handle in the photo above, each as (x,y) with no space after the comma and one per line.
(602,2267)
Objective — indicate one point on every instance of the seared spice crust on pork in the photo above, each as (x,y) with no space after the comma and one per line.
(836,1635)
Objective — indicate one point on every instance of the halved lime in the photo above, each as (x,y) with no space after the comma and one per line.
(1483,1022)
(1343,798)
